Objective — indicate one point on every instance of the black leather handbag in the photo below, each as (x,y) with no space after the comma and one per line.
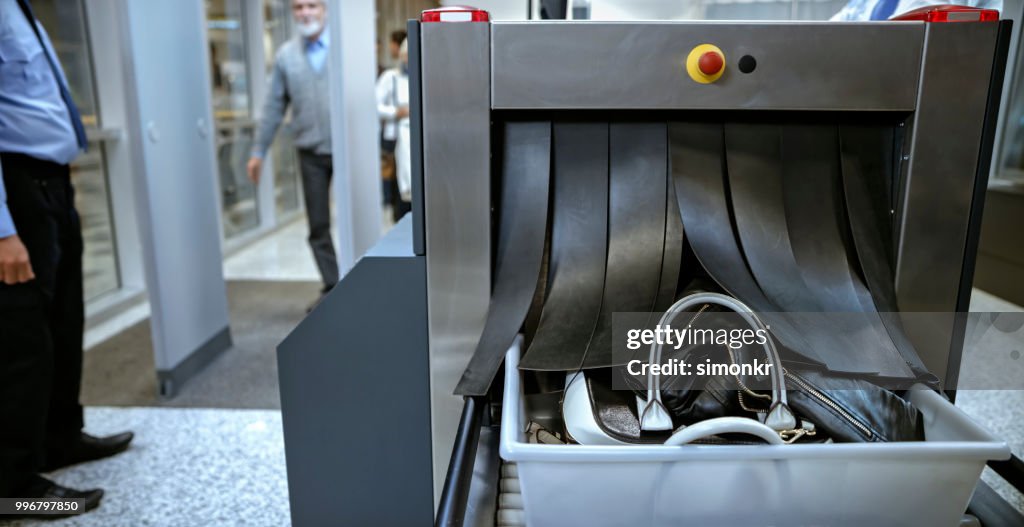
(799,405)
(827,406)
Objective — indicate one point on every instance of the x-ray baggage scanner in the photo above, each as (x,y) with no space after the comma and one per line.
(566,171)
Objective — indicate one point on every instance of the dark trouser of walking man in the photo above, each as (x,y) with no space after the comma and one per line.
(41,303)
(317,171)
(299,81)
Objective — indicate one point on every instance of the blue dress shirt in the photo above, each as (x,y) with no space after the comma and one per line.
(316,51)
(34,120)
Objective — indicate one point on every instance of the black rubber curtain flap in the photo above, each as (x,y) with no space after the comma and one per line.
(818,228)
(763,209)
(814,216)
(862,151)
(784,217)
(579,241)
(521,231)
(755,168)
(638,161)
(697,153)
(671,260)
(754,160)
(612,249)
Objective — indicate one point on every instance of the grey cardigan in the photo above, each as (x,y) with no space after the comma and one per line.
(295,82)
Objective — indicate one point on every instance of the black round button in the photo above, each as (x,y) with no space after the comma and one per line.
(747,64)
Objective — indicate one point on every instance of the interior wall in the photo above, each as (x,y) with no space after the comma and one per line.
(395,14)
(354,125)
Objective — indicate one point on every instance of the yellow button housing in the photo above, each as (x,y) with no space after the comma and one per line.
(693,67)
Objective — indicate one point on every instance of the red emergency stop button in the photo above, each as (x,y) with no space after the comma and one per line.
(705,63)
(710,63)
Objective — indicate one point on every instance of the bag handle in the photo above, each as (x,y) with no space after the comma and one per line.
(655,416)
(725,425)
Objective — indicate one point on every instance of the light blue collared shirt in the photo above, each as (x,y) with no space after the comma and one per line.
(33,117)
(316,51)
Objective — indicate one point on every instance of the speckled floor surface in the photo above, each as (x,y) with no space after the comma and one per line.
(186,468)
(999,411)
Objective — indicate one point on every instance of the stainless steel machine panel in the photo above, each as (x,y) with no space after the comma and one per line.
(940,182)
(457,199)
(806,66)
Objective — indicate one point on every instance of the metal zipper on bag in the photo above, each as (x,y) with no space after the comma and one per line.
(732,359)
(742,385)
(744,389)
(745,407)
(702,309)
(830,403)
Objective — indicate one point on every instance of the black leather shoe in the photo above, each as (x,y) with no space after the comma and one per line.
(87,448)
(46,489)
(317,302)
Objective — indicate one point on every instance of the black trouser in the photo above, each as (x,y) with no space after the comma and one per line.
(317,171)
(41,323)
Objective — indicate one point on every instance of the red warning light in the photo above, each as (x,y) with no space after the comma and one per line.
(950,13)
(455,14)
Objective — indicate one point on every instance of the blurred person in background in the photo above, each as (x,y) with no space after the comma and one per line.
(389,110)
(860,10)
(300,82)
(393,109)
(395,41)
(41,296)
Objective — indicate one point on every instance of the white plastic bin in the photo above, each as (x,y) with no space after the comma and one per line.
(880,484)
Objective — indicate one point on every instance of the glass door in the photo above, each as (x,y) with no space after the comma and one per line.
(232,110)
(66,26)
(277,29)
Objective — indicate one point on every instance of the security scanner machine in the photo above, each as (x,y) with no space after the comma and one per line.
(567,172)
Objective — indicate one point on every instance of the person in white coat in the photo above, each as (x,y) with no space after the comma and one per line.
(393,109)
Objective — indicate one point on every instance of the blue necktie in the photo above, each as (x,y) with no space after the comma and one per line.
(884,9)
(76,117)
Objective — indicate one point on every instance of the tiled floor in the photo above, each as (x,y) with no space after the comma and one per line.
(283,255)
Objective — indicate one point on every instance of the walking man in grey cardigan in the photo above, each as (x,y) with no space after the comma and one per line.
(299,80)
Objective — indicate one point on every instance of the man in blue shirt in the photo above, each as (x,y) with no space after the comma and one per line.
(41,302)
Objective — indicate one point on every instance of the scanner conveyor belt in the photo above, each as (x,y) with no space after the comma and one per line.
(784,217)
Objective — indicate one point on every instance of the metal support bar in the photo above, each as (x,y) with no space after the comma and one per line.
(1012,470)
(455,494)
(991,509)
